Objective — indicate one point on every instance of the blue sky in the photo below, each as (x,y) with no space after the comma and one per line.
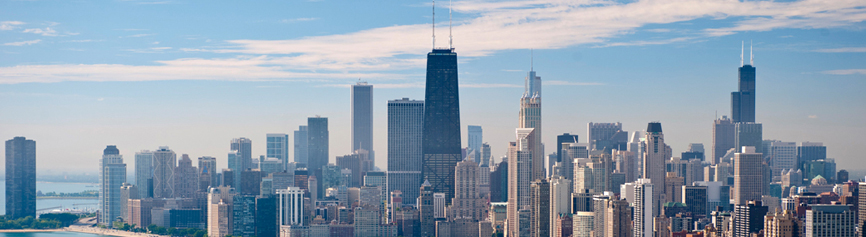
(79,75)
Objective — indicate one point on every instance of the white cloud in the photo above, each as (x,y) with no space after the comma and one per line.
(846,72)
(843,50)
(10,25)
(136,35)
(813,116)
(46,32)
(496,26)
(22,43)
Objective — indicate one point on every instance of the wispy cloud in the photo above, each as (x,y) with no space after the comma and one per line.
(649,42)
(10,25)
(44,32)
(843,50)
(295,20)
(83,41)
(22,43)
(150,50)
(846,72)
(136,35)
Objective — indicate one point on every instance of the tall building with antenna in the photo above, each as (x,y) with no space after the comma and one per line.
(743,100)
(530,117)
(441,130)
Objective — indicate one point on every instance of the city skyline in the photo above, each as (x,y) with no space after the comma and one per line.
(59,114)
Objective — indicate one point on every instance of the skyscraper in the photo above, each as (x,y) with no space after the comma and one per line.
(655,156)
(530,117)
(603,136)
(302,149)
(560,139)
(748,218)
(20,178)
(540,208)
(441,131)
(207,173)
(644,206)
(743,100)
(144,173)
(235,161)
(810,151)
(519,175)
(475,139)
(426,211)
(185,178)
(467,204)
(362,117)
(748,134)
(618,218)
(318,142)
(112,176)
(748,176)
(164,161)
(278,147)
(405,122)
(782,156)
(244,146)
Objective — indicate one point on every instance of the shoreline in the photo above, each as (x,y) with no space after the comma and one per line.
(111,232)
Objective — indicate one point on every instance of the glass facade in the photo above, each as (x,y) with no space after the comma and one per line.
(441,131)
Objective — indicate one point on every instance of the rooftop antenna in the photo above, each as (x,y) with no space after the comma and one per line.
(434,24)
(450,46)
(742,49)
(531,60)
(751,56)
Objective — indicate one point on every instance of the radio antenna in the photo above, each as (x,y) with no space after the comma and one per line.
(434,24)
(450,39)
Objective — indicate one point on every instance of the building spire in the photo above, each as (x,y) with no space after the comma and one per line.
(751,56)
(742,49)
(531,61)
(434,24)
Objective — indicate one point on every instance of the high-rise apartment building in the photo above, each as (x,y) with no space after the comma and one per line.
(144,173)
(560,139)
(164,161)
(277,145)
(749,134)
(782,156)
(220,215)
(618,219)
(743,100)
(539,208)
(291,206)
(362,117)
(572,154)
(560,199)
(112,176)
(235,160)
(519,175)
(20,178)
(748,218)
(475,139)
(302,147)
(244,146)
(782,224)
(467,204)
(810,151)
(644,207)
(441,131)
(825,220)
(405,122)
(654,159)
(748,176)
(426,210)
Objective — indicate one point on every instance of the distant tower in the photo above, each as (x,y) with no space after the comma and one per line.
(405,121)
(530,117)
(186,178)
(539,208)
(362,117)
(426,210)
(244,146)
(20,178)
(723,138)
(301,147)
(748,134)
(144,173)
(747,176)
(164,161)
(318,141)
(655,156)
(743,100)
(112,176)
(520,175)
(278,147)
(207,173)
(475,140)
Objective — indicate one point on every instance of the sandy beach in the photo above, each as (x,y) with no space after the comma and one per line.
(100,231)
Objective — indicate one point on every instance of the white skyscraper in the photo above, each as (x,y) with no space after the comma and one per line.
(520,174)
(291,206)
(643,208)
(164,162)
(112,176)
(530,117)
(278,147)
(560,198)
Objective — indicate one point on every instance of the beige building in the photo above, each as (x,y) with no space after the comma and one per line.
(748,176)
(782,224)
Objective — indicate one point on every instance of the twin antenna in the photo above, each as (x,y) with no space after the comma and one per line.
(743,50)
(450,38)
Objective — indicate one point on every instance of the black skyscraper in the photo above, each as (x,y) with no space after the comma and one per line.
(441,132)
(20,178)
(317,141)
(743,101)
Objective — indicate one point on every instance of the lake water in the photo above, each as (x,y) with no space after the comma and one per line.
(57,203)
(50,234)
